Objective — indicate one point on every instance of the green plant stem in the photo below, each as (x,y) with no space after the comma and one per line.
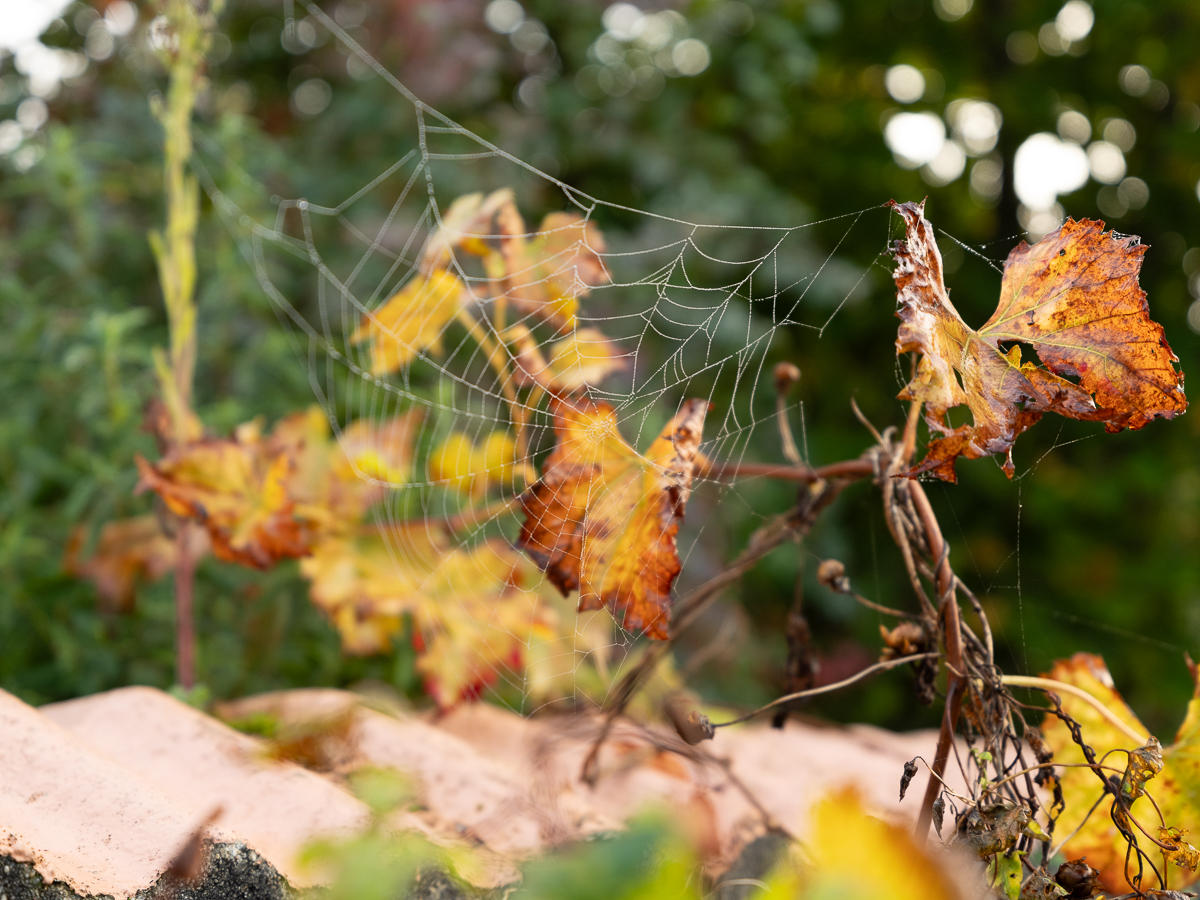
(190,24)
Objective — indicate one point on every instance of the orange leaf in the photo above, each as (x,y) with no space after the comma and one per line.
(472,617)
(1074,299)
(126,551)
(603,519)
(585,358)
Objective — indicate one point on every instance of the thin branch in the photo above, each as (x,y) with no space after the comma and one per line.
(836,686)
(850,468)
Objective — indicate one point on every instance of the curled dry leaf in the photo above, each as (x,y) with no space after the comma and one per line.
(128,551)
(1181,853)
(1074,299)
(602,519)
(1078,878)
(906,777)
(1175,771)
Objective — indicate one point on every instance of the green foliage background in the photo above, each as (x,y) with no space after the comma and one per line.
(1092,549)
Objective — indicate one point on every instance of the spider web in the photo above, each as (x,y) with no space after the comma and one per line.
(670,297)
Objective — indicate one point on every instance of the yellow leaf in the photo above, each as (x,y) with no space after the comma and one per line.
(855,856)
(584,359)
(467,224)
(548,273)
(471,468)
(412,321)
(1172,779)
(238,491)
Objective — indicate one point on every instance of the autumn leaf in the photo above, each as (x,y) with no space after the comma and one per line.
(603,518)
(266,498)
(546,275)
(238,492)
(412,320)
(1074,300)
(853,855)
(583,359)
(474,609)
(1175,789)
(128,551)
(335,480)
(469,224)
(473,468)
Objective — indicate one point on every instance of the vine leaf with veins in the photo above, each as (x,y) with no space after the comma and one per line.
(1073,298)
(603,518)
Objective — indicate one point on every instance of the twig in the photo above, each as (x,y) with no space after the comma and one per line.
(850,468)
(951,629)
(825,689)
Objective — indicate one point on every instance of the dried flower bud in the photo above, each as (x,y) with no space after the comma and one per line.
(786,375)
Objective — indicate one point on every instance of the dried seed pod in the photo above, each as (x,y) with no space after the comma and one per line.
(910,771)
(832,574)
(786,375)
(692,726)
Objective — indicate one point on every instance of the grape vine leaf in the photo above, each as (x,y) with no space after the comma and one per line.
(602,519)
(263,499)
(543,274)
(1074,299)
(1176,789)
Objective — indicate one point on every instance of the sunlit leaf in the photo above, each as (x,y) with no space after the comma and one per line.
(603,518)
(1074,299)
(128,551)
(1172,779)
(412,320)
